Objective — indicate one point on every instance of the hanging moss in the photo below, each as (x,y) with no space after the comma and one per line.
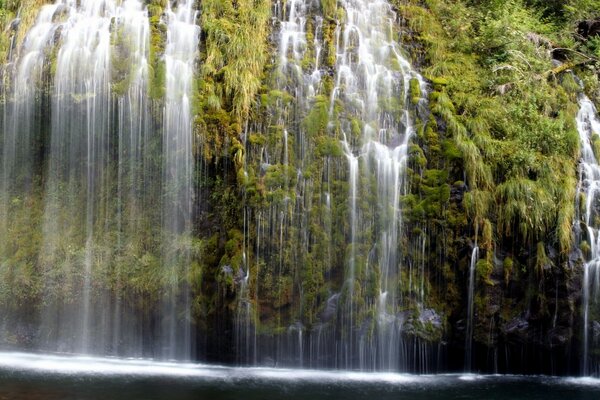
(505,163)
(316,122)
(415,91)
(121,64)
(235,51)
(158,38)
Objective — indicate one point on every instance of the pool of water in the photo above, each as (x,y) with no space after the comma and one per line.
(48,377)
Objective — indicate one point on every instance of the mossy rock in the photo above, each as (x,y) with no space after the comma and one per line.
(439,83)
(415,91)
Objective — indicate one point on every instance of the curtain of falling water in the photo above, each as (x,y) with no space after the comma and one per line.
(180,55)
(22,126)
(281,236)
(470,310)
(117,190)
(78,172)
(588,125)
(135,169)
(372,79)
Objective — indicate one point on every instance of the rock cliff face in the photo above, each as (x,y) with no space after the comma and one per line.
(379,185)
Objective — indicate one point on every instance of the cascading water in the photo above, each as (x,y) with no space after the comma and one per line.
(358,91)
(117,194)
(183,37)
(79,156)
(371,75)
(470,310)
(22,118)
(134,170)
(588,125)
(284,221)
(309,257)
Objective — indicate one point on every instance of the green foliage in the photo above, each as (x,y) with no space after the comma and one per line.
(488,64)
(121,64)
(415,91)
(316,121)
(327,146)
(329,8)
(236,51)
(27,11)
(158,33)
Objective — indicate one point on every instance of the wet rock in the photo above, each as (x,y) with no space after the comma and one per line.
(14,24)
(559,336)
(517,326)
(457,192)
(575,258)
(426,325)
(429,316)
(227,270)
(596,330)
(551,252)
(406,322)
(240,276)
(331,307)
(588,29)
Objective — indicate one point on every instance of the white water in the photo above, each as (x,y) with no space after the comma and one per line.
(369,110)
(372,74)
(274,226)
(21,112)
(79,144)
(134,141)
(85,366)
(183,35)
(588,124)
(111,177)
(470,310)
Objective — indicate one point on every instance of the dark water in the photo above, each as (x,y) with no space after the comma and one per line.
(24,376)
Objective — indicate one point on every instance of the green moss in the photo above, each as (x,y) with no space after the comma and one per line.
(596,144)
(328,147)
(121,64)
(317,120)
(439,83)
(235,51)
(484,271)
(585,248)
(476,96)
(256,139)
(415,91)
(158,37)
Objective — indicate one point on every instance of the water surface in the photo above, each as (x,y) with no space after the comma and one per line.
(33,376)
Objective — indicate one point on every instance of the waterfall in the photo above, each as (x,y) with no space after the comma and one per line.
(371,73)
(470,310)
(281,228)
(22,126)
(79,153)
(130,77)
(588,126)
(182,43)
(107,180)
(353,93)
